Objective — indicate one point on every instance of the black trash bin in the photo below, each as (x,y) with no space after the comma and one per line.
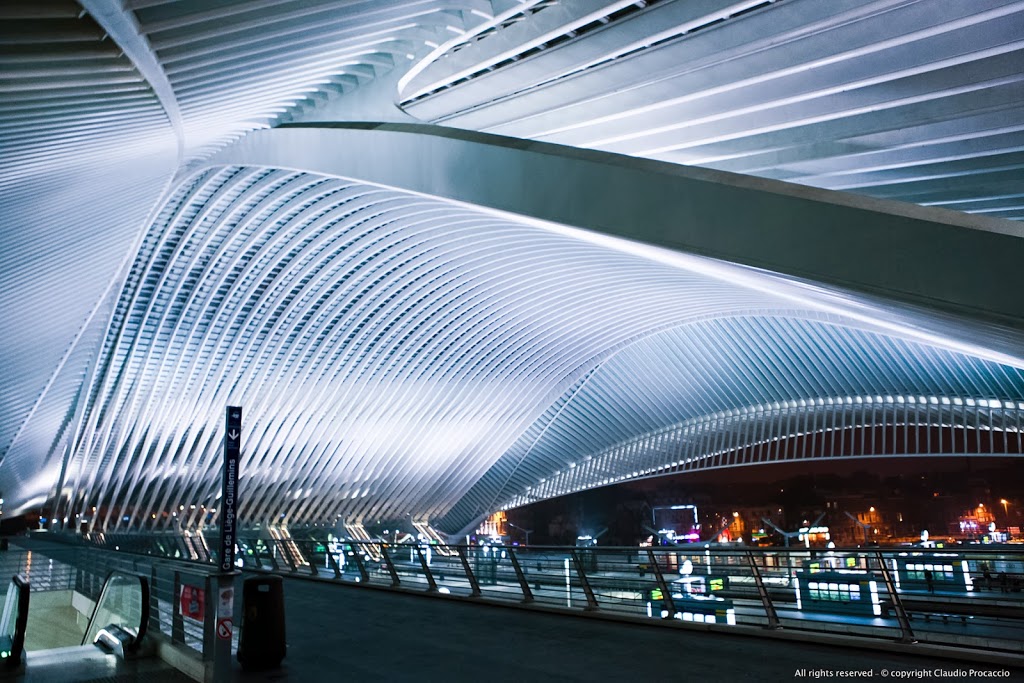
(261,645)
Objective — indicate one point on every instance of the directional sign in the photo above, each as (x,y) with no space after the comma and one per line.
(229,488)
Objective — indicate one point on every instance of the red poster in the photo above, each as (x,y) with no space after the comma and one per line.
(193,602)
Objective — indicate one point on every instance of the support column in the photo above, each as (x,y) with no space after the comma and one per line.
(223,628)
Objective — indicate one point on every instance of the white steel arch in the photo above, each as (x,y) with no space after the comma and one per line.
(197,208)
(402,356)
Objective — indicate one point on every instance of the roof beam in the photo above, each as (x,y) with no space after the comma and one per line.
(121,25)
(926,257)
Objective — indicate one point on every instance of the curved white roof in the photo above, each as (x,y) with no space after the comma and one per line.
(422,323)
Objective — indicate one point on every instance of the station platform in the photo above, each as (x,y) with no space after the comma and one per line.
(87,664)
(337,632)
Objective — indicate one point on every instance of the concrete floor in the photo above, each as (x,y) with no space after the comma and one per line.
(338,632)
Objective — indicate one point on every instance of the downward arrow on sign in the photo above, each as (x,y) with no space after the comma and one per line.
(233,435)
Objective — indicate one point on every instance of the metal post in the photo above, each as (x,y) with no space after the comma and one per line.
(311,555)
(473,584)
(177,622)
(527,593)
(360,564)
(591,600)
(287,555)
(273,558)
(395,581)
(224,627)
(662,585)
(154,601)
(333,562)
(257,558)
(762,592)
(254,547)
(906,632)
(431,584)
(228,514)
(209,622)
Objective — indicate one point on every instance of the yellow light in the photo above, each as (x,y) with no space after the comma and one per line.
(871,509)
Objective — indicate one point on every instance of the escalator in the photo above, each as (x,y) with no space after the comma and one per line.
(13,622)
(118,622)
(111,642)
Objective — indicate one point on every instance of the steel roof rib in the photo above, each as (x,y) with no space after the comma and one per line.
(899,57)
(954,374)
(409,336)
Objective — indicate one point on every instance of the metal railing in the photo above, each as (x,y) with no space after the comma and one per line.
(182,595)
(44,572)
(964,596)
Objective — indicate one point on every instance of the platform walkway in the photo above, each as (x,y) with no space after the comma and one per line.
(346,633)
(72,665)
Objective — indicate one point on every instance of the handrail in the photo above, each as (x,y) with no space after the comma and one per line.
(136,629)
(15,609)
(813,590)
(163,610)
(975,597)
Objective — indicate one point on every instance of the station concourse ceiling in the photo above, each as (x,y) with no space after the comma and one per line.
(454,256)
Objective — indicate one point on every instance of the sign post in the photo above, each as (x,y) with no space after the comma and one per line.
(229,487)
(228,532)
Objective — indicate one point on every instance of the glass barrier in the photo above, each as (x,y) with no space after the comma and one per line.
(13,621)
(964,595)
(124,604)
